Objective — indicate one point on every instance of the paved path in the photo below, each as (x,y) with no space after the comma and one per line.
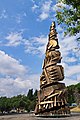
(32,117)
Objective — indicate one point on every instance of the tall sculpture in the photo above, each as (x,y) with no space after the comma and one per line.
(52,94)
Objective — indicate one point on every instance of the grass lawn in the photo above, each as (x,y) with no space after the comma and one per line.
(75,109)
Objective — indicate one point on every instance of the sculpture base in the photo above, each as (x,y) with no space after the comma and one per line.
(53,115)
(54,112)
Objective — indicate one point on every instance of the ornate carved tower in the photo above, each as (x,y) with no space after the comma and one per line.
(52,94)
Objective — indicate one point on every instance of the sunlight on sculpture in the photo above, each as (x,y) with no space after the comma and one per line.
(52,96)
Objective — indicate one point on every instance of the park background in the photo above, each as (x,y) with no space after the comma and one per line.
(24,29)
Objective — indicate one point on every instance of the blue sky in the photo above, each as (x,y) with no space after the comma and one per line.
(24,29)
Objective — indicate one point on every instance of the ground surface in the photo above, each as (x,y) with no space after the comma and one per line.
(32,117)
(77,109)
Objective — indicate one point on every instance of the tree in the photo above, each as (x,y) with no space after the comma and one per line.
(78,87)
(31,100)
(28,105)
(30,94)
(2,104)
(77,96)
(74,94)
(71,90)
(77,93)
(35,93)
(34,99)
(8,105)
(68,15)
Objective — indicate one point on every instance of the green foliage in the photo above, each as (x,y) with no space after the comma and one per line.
(2,104)
(68,15)
(19,102)
(78,87)
(8,105)
(71,94)
(74,93)
(28,102)
(30,94)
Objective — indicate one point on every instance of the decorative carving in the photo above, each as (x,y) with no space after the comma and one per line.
(52,93)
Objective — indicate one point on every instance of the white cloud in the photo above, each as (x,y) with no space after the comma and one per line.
(43,16)
(73,70)
(24,14)
(46,6)
(70,59)
(78,77)
(69,81)
(59,28)
(13,86)
(14,77)
(33,1)
(18,19)
(35,7)
(14,39)
(59,6)
(10,66)
(68,44)
(36,45)
(45,10)
(3,14)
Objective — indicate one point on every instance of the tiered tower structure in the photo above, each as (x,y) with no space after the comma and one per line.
(52,94)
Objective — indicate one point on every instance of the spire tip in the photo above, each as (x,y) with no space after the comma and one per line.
(53,24)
